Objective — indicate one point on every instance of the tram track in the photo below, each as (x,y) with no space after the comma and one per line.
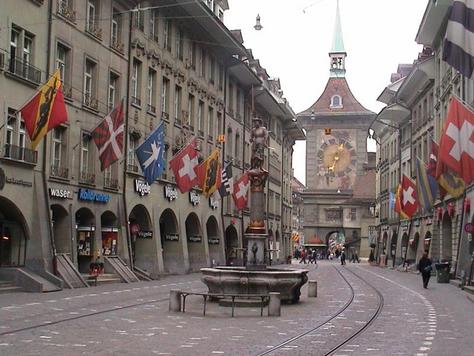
(82,316)
(339,312)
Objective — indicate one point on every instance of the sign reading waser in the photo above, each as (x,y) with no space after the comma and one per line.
(60,193)
(90,195)
(142,187)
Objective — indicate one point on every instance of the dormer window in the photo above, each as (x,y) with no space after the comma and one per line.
(336,102)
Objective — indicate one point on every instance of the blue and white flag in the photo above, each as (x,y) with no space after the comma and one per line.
(150,155)
(458,49)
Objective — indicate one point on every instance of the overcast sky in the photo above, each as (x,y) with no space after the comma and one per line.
(297,35)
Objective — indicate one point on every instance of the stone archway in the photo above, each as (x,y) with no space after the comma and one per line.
(109,234)
(13,233)
(413,248)
(447,238)
(231,245)
(214,241)
(62,230)
(404,247)
(143,244)
(86,244)
(427,241)
(173,257)
(393,247)
(196,251)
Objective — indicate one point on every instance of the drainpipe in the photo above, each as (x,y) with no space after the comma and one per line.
(43,169)
(127,112)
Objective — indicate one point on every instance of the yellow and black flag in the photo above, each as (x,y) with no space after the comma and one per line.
(209,173)
(45,110)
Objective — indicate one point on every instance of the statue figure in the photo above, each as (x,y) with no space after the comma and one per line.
(259,139)
(254,252)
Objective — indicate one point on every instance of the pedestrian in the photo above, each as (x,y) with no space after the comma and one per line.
(425,266)
(315,256)
(356,257)
(303,256)
(343,257)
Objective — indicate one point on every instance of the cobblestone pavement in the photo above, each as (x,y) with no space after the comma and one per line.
(133,319)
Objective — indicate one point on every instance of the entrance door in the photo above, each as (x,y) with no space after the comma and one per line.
(12,244)
(5,245)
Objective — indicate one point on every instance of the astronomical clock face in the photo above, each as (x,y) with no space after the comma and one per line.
(337,160)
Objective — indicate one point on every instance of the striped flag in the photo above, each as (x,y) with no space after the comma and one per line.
(458,49)
(227,181)
(426,185)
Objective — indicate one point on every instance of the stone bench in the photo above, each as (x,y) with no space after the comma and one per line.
(178,300)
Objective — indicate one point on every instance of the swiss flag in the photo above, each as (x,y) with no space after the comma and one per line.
(457,141)
(184,165)
(241,189)
(408,197)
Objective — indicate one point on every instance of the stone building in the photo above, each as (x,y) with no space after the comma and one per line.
(178,65)
(337,208)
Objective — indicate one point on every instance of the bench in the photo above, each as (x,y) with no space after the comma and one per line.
(263,299)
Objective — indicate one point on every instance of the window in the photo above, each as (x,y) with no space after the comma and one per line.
(116,31)
(230,108)
(63,63)
(92,17)
(190,118)
(239,104)
(192,51)
(179,44)
(112,95)
(154,16)
(16,140)
(212,70)
(229,144)
(135,82)
(90,84)
(221,77)
(237,148)
(85,150)
(151,91)
(58,153)
(353,214)
(210,120)
(202,63)
(21,55)
(336,101)
(200,116)
(165,89)
(167,35)
(27,49)
(139,20)
(177,104)
(132,145)
(220,130)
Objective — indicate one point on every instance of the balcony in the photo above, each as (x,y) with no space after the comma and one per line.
(94,30)
(136,101)
(86,178)
(111,183)
(21,154)
(165,116)
(64,10)
(90,102)
(59,172)
(25,71)
(150,109)
(201,133)
(177,121)
(132,168)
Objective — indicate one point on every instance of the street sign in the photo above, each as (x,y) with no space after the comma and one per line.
(469,228)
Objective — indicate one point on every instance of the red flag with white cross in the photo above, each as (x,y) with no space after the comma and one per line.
(409,198)
(456,148)
(241,189)
(184,166)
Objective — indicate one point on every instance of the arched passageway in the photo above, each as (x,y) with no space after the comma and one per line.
(231,245)
(447,238)
(143,244)
(13,235)
(196,251)
(62,231)
(173,257)
(85,230)
(213,240)
(110,241)
(413,248)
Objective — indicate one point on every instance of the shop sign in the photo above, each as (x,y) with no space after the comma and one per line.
(213,202)
(194,238)
(213,240)
(142,187)
(90,195)
(194,197)
(170,192)
(21,182)
(144,234)
(60,193)
(171,237)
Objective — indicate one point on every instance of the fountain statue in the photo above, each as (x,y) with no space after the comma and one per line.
(256,277)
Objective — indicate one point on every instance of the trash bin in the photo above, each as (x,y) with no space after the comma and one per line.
(442,271)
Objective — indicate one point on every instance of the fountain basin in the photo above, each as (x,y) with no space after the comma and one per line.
(239,280)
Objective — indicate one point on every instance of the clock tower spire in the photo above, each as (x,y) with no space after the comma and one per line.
(338,54)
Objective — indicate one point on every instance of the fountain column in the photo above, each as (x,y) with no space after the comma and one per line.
(256,233)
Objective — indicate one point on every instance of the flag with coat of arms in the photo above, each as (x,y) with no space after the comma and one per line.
(241,189)
(150,154)
(408,197)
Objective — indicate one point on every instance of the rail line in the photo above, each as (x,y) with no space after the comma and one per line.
(340,311)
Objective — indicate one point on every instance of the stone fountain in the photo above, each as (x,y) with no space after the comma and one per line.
(256,277)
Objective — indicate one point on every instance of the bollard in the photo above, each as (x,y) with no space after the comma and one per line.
(175,301)
(274,305)
(312,289)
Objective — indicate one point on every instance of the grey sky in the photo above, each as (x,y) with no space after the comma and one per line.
(293,45)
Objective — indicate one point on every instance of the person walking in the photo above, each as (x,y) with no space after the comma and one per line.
(303,256)
(425,266)
(343,257)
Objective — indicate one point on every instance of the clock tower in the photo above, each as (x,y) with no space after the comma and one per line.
(339,180)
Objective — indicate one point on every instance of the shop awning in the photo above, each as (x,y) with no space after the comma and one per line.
(394,113)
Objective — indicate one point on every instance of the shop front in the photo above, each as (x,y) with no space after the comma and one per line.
(143,242)
(85,238)
(214,241)
(12,235)
(195,243)
(172,247)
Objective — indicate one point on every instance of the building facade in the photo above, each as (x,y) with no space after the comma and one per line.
(194,76)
